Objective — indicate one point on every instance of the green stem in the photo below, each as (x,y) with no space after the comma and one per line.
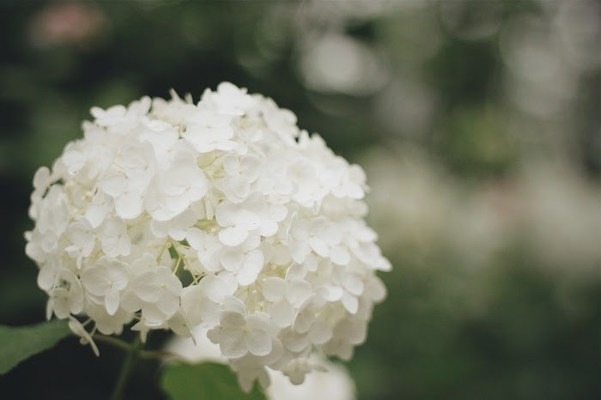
(160,355)
(112,341)
(126,369)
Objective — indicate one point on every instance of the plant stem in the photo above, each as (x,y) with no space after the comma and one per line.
(160,355)
(121,344)
(126,369)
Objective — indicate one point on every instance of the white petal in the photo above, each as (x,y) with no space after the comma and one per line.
(319,247)
(192,299)
(294,341)
(159,228)
(232,346)
(234,304)
(268,228)
(217,288)
(111,302)
(147,287)
(253,264)
(233,236)
(303,321)
(77,328)
(332,293)
(232,320)
(41,179)
(296,271)
(195,238)
(274,288)
(247,276)
(283,314)
(231,259)
(353,284)
(95,214)
(340,255)
(320,332)
(113,185)
(47,277)
(350,303)
(129,205)
(298,292)
(258,342)
(376,289)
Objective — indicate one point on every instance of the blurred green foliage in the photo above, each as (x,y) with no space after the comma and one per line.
(20,343)
(206,381)
(446,78)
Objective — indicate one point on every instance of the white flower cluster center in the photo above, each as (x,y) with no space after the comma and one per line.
(224,214)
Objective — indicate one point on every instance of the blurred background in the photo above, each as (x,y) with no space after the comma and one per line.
(479,126)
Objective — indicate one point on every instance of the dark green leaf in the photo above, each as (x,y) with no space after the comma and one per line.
(206,381)
(19,343)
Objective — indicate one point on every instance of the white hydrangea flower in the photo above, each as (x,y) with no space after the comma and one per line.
(318,378)
(221,214)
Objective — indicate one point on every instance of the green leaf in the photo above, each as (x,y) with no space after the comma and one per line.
(206,381)
(19,343)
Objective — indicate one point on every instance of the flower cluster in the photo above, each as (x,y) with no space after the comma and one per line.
(327,380)
(224,214)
